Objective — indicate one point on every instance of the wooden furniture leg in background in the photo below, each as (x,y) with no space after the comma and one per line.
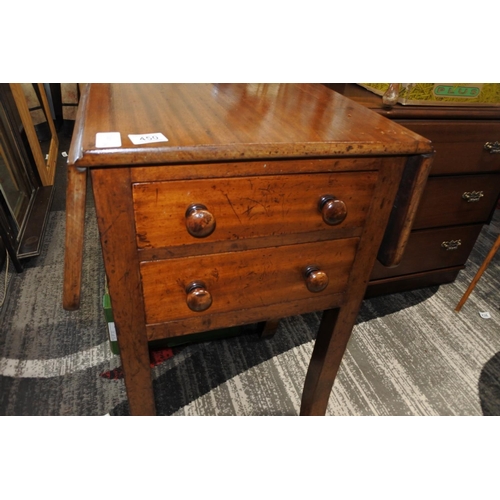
(479,273)
(269,328)
(76,191)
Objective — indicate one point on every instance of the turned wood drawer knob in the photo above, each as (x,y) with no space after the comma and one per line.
(199,221)
(333,210)
(316,280)
(198,297)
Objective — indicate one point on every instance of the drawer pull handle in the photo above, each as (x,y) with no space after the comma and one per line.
(451,245)
(198,297)
(316,280)
(199,221)
(333,210)
(472,196)
(492,147)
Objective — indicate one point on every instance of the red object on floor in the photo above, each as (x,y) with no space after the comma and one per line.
(159,356)
(156,357)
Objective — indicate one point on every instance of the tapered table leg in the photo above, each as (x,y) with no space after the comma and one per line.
(76,191)
(479,273)
(337,324)
(112,190)
(333,335)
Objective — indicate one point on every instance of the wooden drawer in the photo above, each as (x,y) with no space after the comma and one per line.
(244,280)
(247,207)
(432,249)
(459,144)
(445,203)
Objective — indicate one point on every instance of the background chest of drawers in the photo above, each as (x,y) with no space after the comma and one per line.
(260,201)
(460,196)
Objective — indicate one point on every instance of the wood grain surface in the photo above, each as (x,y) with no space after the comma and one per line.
(247,207)
(213,122)
(242,280)
(124,282)
(76,194)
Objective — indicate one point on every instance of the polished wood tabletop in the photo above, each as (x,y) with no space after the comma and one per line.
(221,122)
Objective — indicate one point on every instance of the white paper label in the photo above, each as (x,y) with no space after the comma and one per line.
(485,315)
(108,140)
(147,138)
(112,332)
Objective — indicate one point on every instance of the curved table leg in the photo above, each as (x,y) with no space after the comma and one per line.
(479,273)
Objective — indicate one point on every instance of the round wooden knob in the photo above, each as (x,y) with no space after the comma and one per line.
(316,280)
(333,210)
(199,221)
(198,297)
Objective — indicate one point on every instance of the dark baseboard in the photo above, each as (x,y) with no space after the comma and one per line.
(3,254)
(32,237)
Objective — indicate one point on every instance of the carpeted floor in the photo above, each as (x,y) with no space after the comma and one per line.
(410,354)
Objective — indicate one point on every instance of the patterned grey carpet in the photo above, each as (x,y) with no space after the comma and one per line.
(410,354)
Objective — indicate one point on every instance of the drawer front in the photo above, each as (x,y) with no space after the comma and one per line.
(243,280)
(457,200)
(460,145)
(247,207)
(432,249)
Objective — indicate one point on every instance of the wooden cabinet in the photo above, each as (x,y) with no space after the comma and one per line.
(460,196)
(262,201)
(24,198)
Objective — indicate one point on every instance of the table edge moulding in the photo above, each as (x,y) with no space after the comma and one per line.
(288,169)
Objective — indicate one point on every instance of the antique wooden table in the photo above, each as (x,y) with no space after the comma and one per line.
(239,203)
